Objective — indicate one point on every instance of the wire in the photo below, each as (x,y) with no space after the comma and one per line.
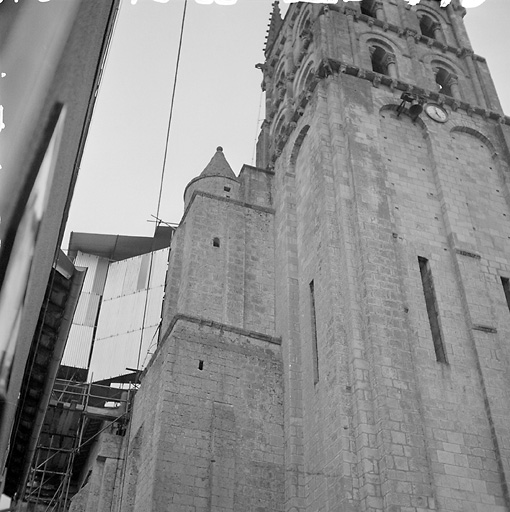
(171,108)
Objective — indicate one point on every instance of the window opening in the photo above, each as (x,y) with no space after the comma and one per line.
(446,81)
(506,288)
(428,27)
(432,308)
(383,62)
(368,8)
(216,242)
(315,353)
(200,365)
(226,189)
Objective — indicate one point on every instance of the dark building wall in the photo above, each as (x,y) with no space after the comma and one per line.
(72,83)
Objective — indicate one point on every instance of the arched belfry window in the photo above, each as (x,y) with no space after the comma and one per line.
(447,82)
(430,27)
(304,24)
(383,61)
(280,85)
(367,7)
(304,37)
(305,78)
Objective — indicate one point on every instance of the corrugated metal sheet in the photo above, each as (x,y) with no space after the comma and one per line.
(115,280)
(100,277)
(123,314)
(149,345)
(143,274)
(112,356)
(96,274)
(159,268)
(154,305)
(78,346)
(132,272)
(86,311)
(120,340)
(90,262)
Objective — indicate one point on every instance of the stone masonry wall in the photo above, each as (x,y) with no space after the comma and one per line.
(232,283)
(209,418)
(388,427)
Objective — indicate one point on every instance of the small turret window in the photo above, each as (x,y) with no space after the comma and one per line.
(216,242)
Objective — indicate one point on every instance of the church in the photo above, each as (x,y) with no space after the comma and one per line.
(336,318)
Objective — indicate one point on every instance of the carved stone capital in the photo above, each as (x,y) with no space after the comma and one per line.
(389,58)
(452,79)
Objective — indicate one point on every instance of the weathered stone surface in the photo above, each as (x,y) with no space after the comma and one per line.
(268,393)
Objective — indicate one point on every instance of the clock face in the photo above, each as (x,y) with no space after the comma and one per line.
(436,113)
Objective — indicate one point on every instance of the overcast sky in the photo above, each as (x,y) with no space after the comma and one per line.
(218,102)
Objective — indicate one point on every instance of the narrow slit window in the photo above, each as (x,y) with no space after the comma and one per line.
(216,242)
(432,308)
(313,317)
(506,288)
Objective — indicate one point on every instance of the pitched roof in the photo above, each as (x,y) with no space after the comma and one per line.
(218,166)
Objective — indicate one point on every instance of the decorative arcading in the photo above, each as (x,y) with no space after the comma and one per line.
(330,67)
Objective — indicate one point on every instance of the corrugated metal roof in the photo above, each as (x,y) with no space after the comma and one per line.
(118,247)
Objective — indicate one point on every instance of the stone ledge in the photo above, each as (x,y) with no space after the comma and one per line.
(485,328)
(215,325)
(331,67)
(220,326)
(227,200)
(469,254)
(267,171)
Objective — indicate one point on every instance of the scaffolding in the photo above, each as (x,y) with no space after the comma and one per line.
(77,413)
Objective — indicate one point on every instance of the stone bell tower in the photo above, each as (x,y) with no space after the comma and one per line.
(392,243)
(336,320)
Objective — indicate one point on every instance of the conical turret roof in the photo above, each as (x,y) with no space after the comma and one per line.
(218,166)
